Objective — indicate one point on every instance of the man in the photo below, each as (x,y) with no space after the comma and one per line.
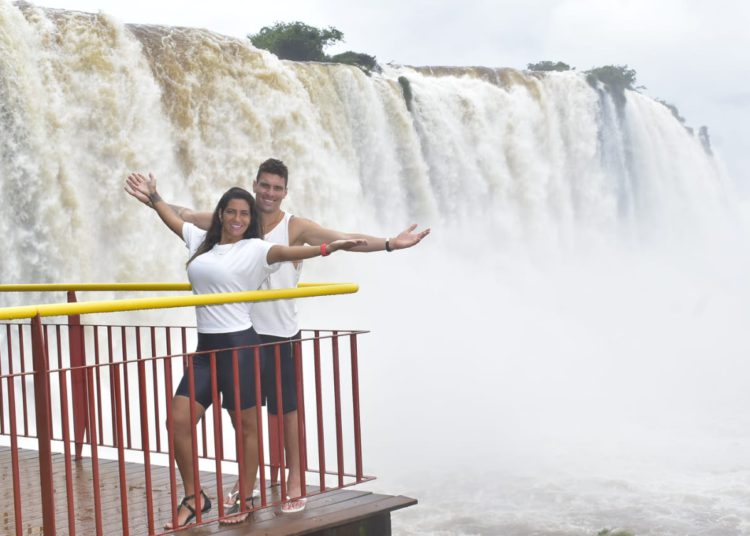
(277,321)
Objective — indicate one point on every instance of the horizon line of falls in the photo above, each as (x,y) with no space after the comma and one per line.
(576,320)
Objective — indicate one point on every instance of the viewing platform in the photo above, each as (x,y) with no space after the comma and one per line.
(340,512)
(87,412)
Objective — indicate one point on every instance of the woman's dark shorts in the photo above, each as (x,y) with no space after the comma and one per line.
(288,373)
(224,369)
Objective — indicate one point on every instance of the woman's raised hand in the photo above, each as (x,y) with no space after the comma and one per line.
(138,183)
(143,188)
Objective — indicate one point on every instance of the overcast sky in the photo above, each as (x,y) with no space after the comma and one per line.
(692,53)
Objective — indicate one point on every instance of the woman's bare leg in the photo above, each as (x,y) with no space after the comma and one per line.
(183,452)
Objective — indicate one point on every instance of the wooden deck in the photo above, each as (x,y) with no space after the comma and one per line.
(336,513)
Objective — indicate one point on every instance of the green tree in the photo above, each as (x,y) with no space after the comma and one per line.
(296,40)
(364,61)
(545,66)
(615,77)
(299,42)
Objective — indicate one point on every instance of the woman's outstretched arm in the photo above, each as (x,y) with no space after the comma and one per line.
(279,253)
(147,186)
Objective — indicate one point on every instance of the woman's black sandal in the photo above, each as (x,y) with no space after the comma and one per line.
(206,507)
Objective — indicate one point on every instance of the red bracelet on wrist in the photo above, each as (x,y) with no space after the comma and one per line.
(323,250)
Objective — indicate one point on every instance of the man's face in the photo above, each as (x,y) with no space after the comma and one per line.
(269,190)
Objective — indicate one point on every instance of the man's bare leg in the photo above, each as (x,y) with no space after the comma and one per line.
(291,449)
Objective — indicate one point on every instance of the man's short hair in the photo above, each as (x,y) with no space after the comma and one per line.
(274,167)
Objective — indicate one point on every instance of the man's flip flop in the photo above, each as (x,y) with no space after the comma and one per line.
(233,514)
(231,497)
(293,506)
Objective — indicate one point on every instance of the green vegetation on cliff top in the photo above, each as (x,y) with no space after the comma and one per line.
(299,42)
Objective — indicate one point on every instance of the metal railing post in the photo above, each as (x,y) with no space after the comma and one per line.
(78,379)
(274,447)
(355,407)
(43,424)
(319,412)
(337,407)
(301,431)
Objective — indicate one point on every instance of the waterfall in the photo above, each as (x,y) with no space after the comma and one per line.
(85,100)
(576,285)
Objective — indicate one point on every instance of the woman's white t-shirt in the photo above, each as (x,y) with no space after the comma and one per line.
(225,268)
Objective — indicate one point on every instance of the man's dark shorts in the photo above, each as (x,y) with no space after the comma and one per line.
(224,369)
(288,373)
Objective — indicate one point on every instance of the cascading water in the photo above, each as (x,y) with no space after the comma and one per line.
(564,354)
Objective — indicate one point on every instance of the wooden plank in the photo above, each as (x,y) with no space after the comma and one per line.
(271,512)
(343,508)
(343,513)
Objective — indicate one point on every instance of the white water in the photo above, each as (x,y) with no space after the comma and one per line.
(565,353)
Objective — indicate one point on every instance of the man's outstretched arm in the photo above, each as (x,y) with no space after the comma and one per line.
(308,232)
(199,219)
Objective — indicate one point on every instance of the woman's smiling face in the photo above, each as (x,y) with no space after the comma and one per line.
(235,219)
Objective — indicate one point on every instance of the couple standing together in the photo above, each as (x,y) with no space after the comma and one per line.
(247,244)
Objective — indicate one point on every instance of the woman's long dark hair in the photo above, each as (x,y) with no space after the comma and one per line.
(213,235)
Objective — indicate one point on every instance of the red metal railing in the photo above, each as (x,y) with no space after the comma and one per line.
(119,402)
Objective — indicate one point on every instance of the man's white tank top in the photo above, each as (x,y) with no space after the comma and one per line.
(278,317)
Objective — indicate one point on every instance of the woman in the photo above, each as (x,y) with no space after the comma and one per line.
(229,257)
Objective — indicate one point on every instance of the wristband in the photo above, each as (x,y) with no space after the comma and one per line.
(388,247)
(323,250)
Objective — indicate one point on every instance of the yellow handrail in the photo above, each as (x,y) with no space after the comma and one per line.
(305,290)
(56,287)
(130,287)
